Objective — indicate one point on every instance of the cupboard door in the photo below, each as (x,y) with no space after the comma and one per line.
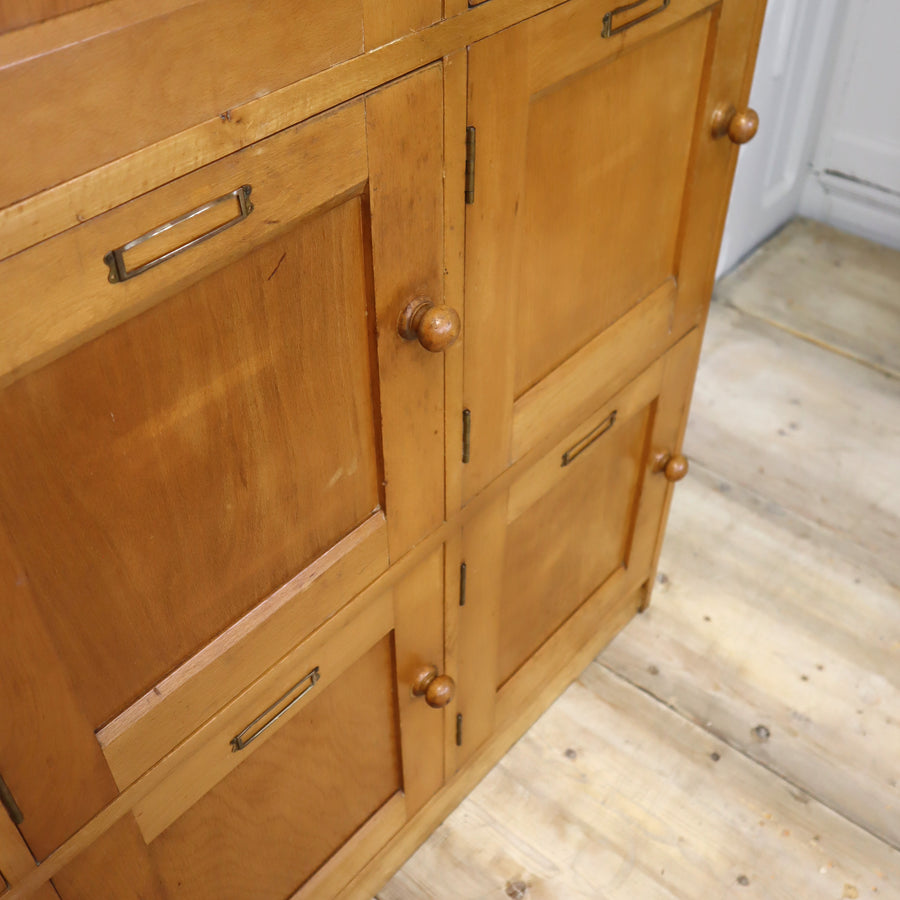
(581,261)
(552,561)
(195,428)
(330,748)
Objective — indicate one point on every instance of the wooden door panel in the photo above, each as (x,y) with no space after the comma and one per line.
(221,426)
(284,796)
(583,186)
(352,761)
(570,542)
(567,542)
(268,825)
(172,473)
(606,153)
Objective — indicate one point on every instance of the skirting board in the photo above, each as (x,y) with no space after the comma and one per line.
(850,205)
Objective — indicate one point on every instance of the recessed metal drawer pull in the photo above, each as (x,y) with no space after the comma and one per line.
(585,442)
(115,259)
(239,741)
(609,31)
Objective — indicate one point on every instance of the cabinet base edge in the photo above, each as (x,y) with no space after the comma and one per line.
(381,867)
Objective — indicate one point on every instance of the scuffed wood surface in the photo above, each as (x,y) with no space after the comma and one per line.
(778,643)
(610,795)
(811,429)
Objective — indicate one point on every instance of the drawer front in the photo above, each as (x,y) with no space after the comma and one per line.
(328,747)
(238,405)
(575,248)
(574,535)
(89,88)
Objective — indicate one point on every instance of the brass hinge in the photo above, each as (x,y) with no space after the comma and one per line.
(470,164)
(459,730)
(467,434)
(9,803)
(462,584)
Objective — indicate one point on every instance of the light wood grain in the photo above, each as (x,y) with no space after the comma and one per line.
(478,624)
(184,700)
(775,636)
(603,366)
(727,75)
(44,722)
(207,757)
(603,621)
(419,642)
(811,430)
(15,857)
(571,534)
(29,12)
(365,842)
(455,73)
(586,155)
(828,287)
(400,207)
(767,627)
(405,121)
(66,280)
(311,787)
(45,214)
(209,472)
(175,55)
(612,795)
(389,20)
(541,295)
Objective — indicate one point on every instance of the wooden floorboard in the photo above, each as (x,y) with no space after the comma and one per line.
(817,433)
(826,286)
(778,644)
(742,737)
(611,795)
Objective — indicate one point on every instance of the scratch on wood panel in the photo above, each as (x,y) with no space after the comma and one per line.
(277,266)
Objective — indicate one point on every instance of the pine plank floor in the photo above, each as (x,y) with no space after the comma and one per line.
(742,737)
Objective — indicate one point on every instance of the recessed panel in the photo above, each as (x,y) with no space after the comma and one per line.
(173,472)
(275,819)
(568,534)
(604,184)
(326,772)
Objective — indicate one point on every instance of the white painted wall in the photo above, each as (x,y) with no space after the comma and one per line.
(854,181)
(789,92)
(827,88)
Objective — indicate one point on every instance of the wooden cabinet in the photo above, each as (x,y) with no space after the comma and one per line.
(328,746)
(285,562)
(568,547)
(578,269)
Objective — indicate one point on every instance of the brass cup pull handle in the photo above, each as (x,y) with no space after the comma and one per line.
(740,127)
(438,690)
(673,466)
(436,327)
(268,717)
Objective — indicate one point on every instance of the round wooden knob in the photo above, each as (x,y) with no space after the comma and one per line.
(676,468)
(435,327)
(673,466)
(438,690)
(739,126)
